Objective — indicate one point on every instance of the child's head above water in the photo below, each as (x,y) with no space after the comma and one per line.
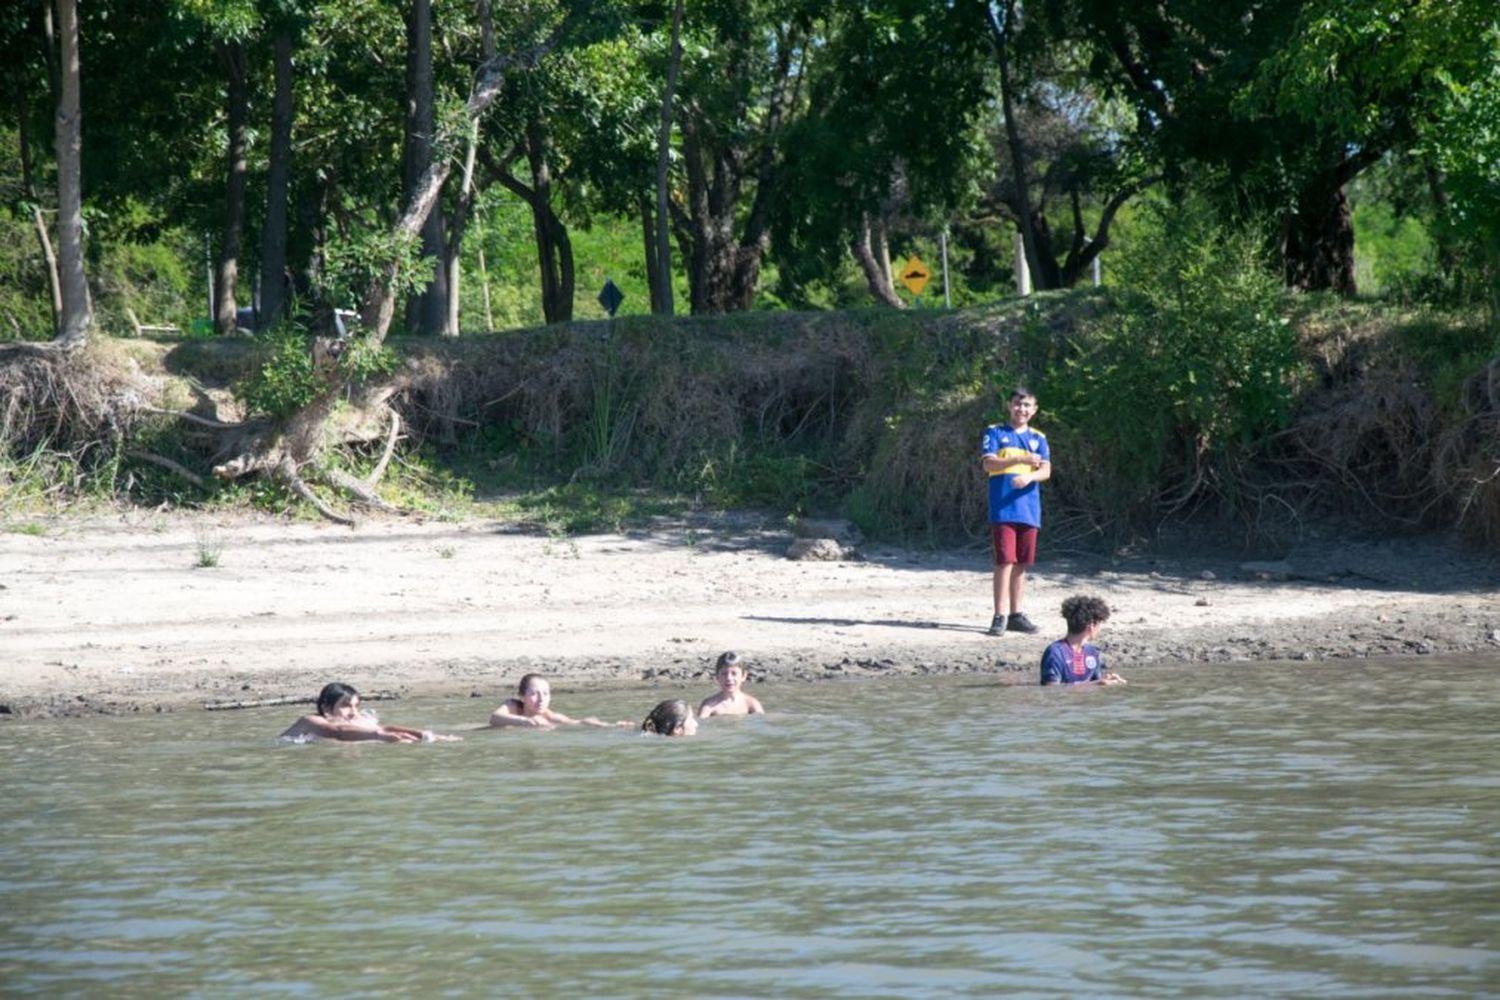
(1080,611)
(534,692)
(332,696)
(672,717)
(729,664)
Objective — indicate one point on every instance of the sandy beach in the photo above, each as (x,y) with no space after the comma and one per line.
(116,613)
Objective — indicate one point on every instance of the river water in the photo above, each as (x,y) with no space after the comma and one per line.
(1309,830)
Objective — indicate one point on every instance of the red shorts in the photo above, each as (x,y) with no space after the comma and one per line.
(1014,543)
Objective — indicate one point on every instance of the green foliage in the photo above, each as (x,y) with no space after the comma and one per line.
(150,279)
(580,508)
(353,261)
(285,378)
(777,478)
(25,293)
(1448,353)
(1196,365)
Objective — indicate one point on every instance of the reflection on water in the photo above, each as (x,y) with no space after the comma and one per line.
(1312,830)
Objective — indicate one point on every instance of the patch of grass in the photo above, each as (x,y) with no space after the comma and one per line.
(210,547)
(586,508)
(1449,351)
(26,528)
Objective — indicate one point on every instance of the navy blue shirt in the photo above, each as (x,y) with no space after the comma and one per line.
(1060,665)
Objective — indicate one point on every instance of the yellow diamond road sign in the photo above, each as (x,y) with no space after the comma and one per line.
(914,275)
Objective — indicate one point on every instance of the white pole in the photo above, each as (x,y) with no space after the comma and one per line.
(1023,273)
(208,260)
(1098,273)
(947,299)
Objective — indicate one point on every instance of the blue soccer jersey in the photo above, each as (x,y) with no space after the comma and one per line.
(1008,504)
(1061,665)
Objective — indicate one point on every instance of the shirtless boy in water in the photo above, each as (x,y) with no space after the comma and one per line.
(533,708)
(731,699)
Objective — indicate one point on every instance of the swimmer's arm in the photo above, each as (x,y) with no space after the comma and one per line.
(504,716)
(597,723)
(753,703)
(409,734)
(361,734)
(709,706)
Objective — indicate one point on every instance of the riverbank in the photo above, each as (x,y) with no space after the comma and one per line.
(145,612)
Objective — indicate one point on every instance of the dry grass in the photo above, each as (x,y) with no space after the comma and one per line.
(647,400)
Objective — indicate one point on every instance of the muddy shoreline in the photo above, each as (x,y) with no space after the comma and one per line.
(129,612)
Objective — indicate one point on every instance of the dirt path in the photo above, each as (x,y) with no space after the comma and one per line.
(115,614)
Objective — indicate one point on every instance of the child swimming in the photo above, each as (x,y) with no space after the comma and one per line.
(672,717)
(533,709)
(1074,659)
(339,718)
(731,699)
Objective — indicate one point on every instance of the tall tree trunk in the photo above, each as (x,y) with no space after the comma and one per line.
(457,226)
(1020,160)
(77,311)
(378,304)
(273,276)
(877,279)
(554,249)
(23,135)
(662,299)
(426,313)
(52,53)
(648,233)
(226,277)
(1318,243)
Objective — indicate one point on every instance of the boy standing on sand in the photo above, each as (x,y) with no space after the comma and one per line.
(1017,461)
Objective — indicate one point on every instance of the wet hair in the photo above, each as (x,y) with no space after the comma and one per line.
(1080,611)
(331,695)
(727,660)
(667,717)
(1022,392)
(527,682)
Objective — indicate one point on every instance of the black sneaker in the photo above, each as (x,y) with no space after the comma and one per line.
(997,625)
(1020,623)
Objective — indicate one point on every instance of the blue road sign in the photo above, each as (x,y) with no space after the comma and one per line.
(610,297)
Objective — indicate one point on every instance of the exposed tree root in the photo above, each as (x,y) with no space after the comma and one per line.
(171,466)
(286,472)
(359,490)
(378,473)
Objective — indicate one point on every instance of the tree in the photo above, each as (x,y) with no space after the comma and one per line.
(273,278)
(1275,106)
(427,312)
(77,309)
(888,142)
(660,260)
(1056,140)
(1390,78)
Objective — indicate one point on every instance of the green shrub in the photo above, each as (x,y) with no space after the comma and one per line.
(1165,399)
(25,289)
(285,379)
